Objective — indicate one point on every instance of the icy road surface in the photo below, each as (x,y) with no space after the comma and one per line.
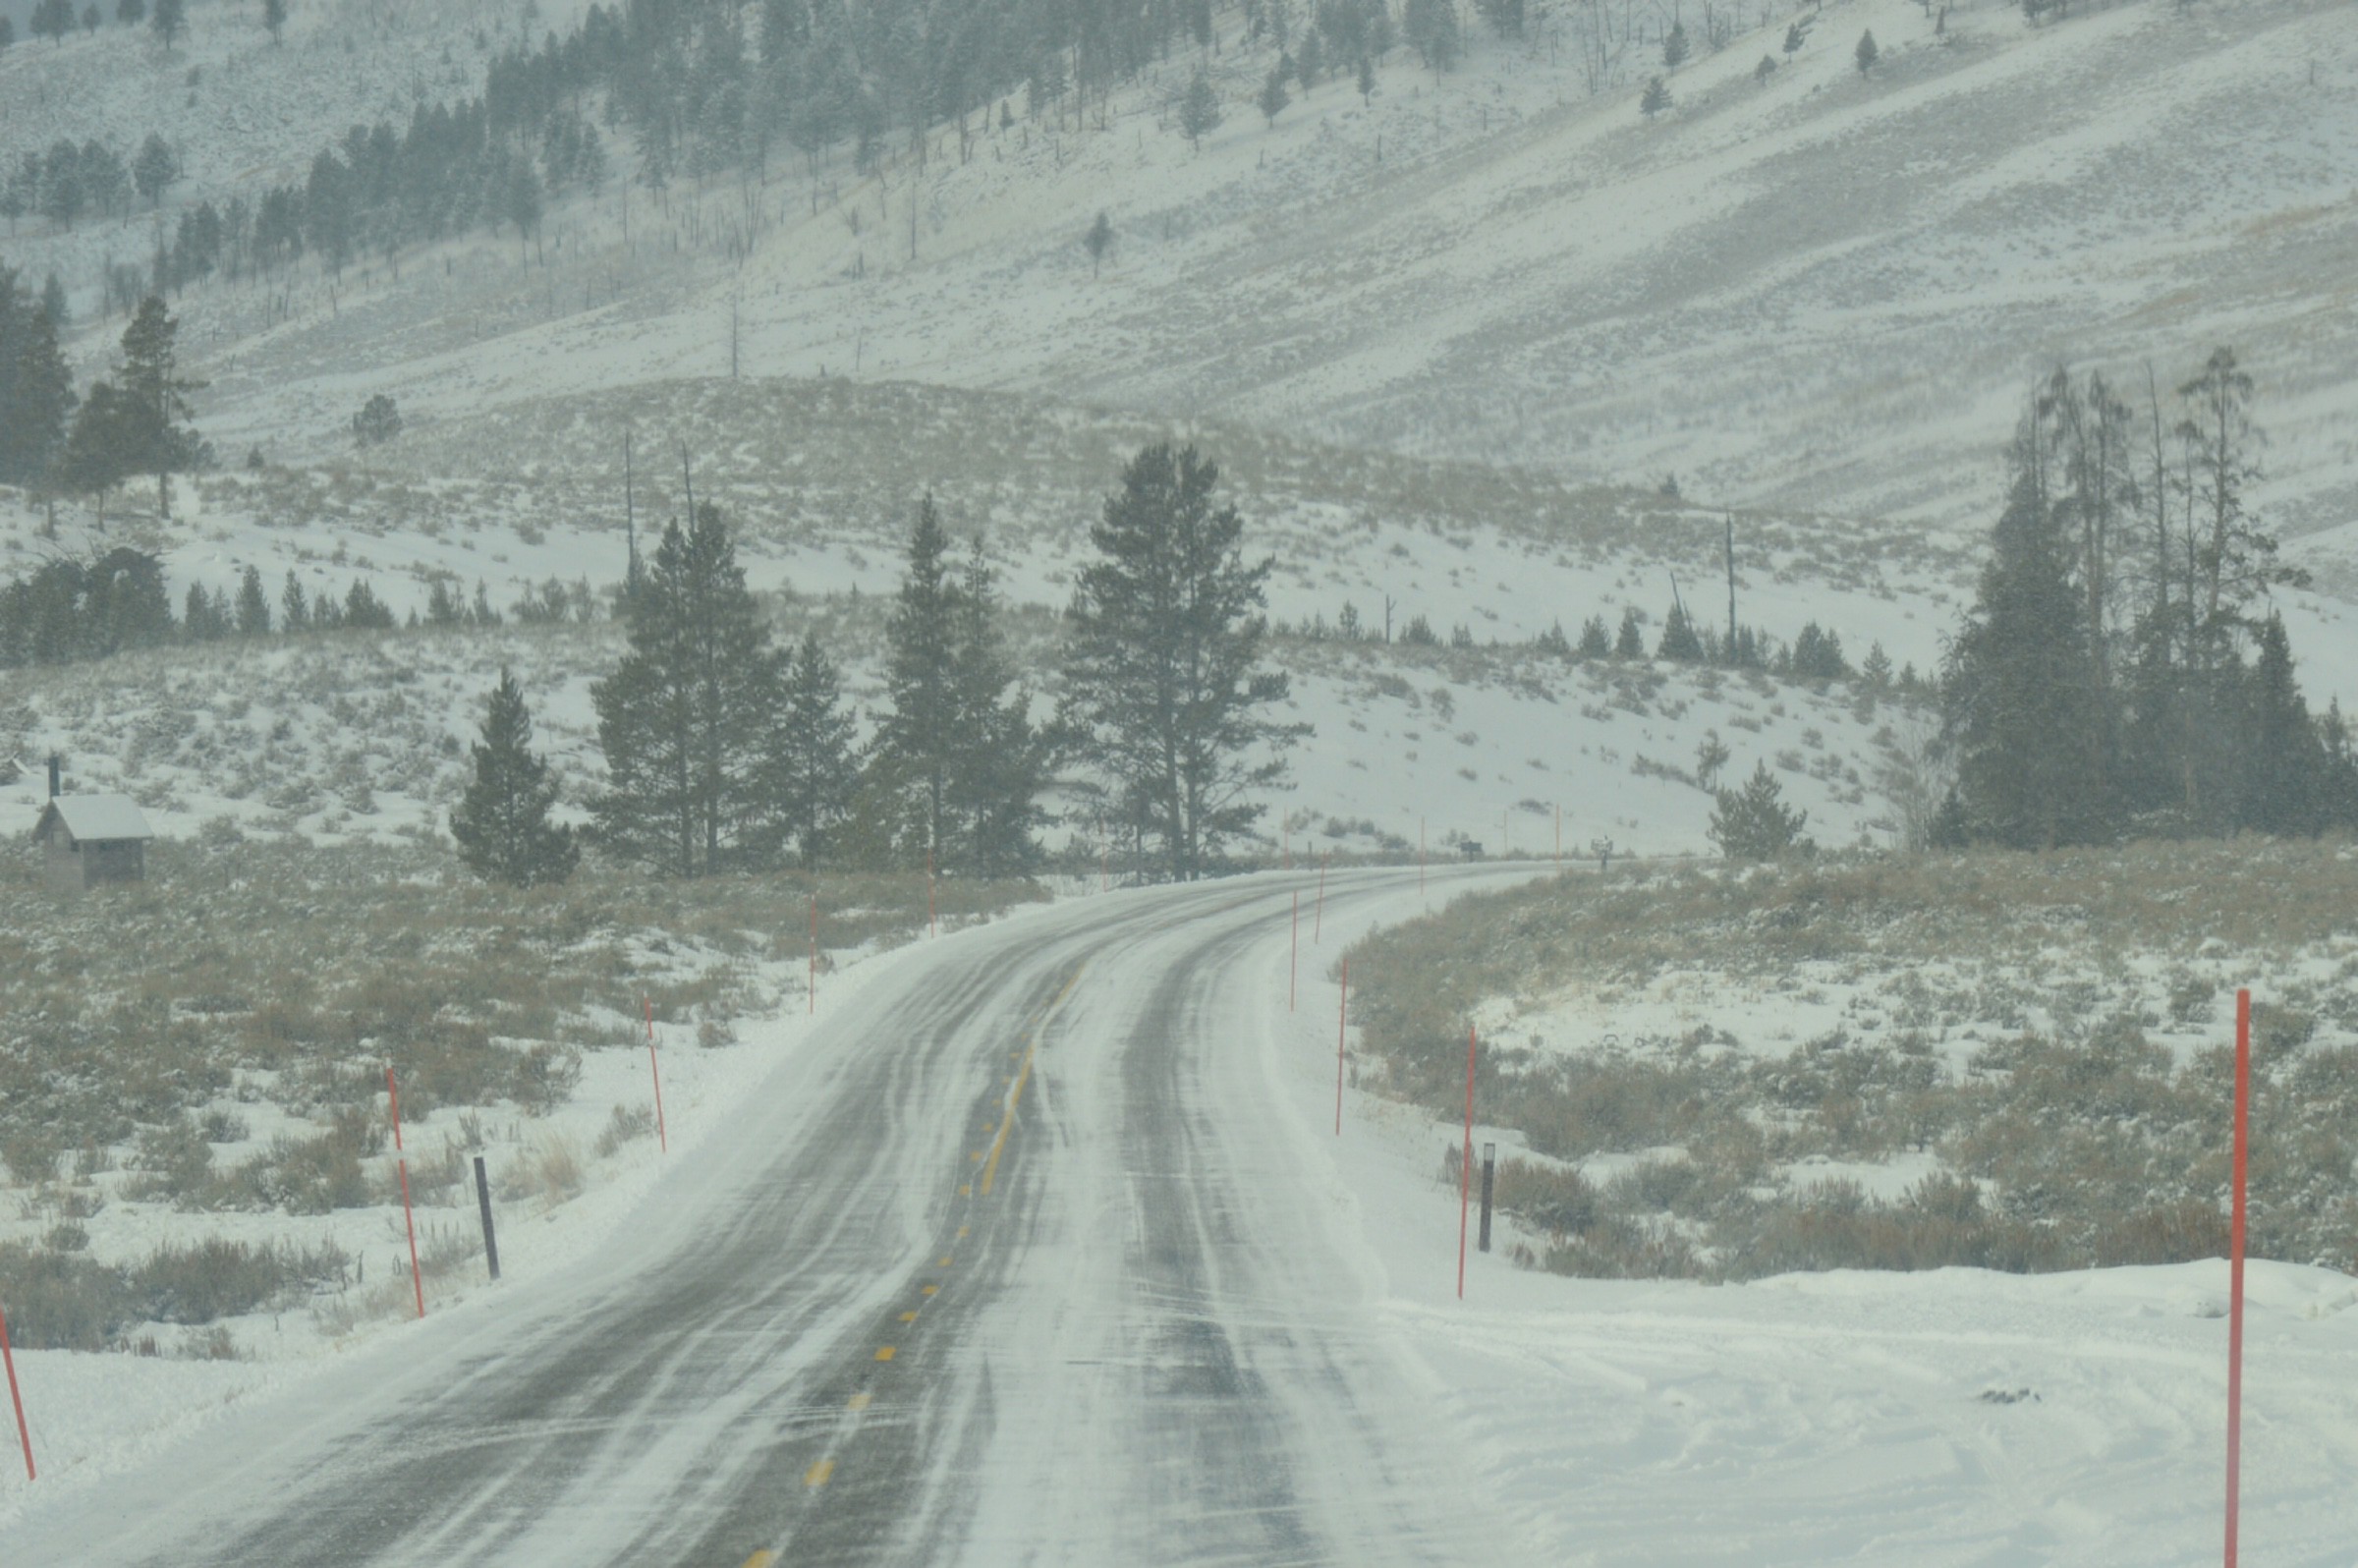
(881,1319)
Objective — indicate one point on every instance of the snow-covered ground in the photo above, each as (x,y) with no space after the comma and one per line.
(1957,1416)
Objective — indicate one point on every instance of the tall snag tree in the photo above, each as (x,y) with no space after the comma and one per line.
(686,719)
(1163,696)
(501,824)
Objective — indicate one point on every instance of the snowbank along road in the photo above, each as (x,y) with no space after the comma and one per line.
(1013,1264)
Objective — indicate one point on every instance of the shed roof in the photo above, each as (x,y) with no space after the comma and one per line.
(91,817)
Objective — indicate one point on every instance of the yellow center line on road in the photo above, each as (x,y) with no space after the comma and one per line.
(860,1400)
(817,1475)
(884,1353)
(1015,1096)
(929,1290)
(991,1171)
(908,1318)
(762,1559)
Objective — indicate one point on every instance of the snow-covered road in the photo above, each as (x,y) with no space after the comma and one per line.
(881,1319)
(1160,1313)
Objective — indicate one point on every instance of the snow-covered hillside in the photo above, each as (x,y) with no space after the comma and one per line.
(1825,291)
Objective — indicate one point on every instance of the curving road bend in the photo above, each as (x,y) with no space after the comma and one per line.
(1026,1257)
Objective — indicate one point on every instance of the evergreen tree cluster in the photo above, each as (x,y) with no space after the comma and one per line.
(725,753)
(1814,654)
(2122,671)
(67,610)
(69,183)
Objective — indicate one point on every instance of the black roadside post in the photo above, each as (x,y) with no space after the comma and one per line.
(483,1201)
(1490,1170)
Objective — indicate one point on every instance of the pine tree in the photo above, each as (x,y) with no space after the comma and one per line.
(1000,763)
(918,735)
(62,192)
(37,403)
(275,18)
(523,204)
(1596,642)
(1866,53)
(817,774)
(686,720)
(2023,717)
(379,422)
(1818,655)
(1272,100)
(1431,26)
(1654,99)
(1163,694)
(170,20)
(196,615)
(1505,16)
(1199,110)
(93,461)
(154,169)
(501,824)
(1679,641)
(363,611)
(157,438)
(1674,46)
(1366,80)
(2286,761)
(1630,643)
(253,605)
(1753,824)
(294,612)
(2340,781)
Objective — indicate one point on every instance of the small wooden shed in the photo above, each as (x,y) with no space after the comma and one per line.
(93,839)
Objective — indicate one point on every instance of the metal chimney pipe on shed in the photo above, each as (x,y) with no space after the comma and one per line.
(57,766)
